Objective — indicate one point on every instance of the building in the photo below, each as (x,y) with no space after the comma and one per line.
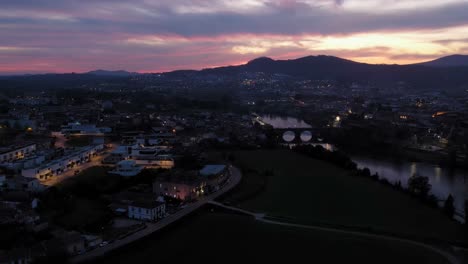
(214,176)
(189,186)
(62,164)
(127,168)
(213,170)
(147,210)
(30,161)
(182,190)
(160,161)
(13,153)
(21,183)
(79,129)
(147,156)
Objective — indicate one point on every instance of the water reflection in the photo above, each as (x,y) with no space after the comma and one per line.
(444,181)
(284,122)
(437,172)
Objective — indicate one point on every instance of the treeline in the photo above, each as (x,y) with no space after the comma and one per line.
(418,186)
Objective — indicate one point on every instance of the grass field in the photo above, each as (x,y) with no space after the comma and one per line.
(228,238)
(311,191)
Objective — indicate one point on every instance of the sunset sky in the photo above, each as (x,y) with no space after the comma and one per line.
(159,35)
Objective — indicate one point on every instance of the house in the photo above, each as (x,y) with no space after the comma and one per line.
(148,210)
(147,156)
(17,152)
(182,190)
(21,183)
(185,185)
(164,161)
(62,164)
(122,200)
(213,170)
(127,168)
(214,176)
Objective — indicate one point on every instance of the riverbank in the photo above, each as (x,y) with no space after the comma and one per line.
(310,191)
(406,154)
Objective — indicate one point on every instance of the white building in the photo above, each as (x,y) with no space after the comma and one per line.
(13,153)
(79,129)
(147,210)
(147,156)
(127,168)
(27,162)
(63,164)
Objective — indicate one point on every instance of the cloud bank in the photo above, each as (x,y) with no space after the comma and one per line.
(150,36)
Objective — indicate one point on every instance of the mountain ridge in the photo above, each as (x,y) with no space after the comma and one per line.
(456,60)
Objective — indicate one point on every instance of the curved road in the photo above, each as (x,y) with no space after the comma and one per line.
(234,179)
(261,217)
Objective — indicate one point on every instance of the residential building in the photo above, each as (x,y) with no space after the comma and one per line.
(62,164)
(17,152)
(160,161)
(127,168)
(21,183)
(191,185)
(147,210)
(80,129)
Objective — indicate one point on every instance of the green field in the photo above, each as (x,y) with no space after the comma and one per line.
(228,238)
(312,191)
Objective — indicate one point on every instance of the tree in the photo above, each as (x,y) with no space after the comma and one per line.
(449,208)
(366,172)
(419,185)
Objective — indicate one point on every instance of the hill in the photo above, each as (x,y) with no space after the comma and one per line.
(449,61)
(334,68)
(112,73)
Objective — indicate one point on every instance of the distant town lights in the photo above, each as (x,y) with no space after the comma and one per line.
(338,118)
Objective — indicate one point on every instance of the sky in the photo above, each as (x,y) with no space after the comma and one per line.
(38,36)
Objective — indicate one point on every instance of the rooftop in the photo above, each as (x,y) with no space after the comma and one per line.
(147,204)
(212,170)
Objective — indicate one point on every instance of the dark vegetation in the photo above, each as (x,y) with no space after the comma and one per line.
(316,191)
(258,242)
(418,186)
(80,203)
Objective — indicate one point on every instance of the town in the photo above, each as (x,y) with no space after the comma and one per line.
(89,167)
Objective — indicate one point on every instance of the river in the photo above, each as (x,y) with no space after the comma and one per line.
(284,122)
(444,181)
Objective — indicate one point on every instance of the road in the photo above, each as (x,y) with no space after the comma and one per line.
(261,217)
(234,179)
